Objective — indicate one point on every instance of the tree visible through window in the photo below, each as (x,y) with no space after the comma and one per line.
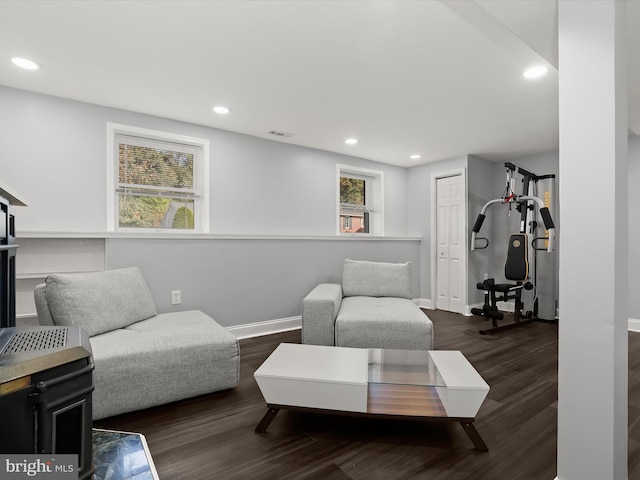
(353,205)
(352,191)
(360,200)
(155,184)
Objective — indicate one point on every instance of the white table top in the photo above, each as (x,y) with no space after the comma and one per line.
(316,363)
(456,371)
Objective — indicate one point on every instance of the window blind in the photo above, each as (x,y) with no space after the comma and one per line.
(155,168)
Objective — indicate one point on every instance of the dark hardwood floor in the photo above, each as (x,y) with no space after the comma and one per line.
(212,437)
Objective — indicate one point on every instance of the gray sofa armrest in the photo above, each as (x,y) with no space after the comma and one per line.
(42,306)
(319,311)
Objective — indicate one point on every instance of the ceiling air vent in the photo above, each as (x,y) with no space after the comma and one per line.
(275,133)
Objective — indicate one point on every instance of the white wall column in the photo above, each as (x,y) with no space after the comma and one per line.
(593,358)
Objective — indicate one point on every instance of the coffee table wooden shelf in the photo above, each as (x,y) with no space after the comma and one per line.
(438,385)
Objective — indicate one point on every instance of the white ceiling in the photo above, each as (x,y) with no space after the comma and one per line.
(441,79)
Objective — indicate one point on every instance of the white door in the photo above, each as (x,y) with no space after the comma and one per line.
(450,233)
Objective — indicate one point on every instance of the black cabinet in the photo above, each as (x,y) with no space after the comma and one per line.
(8,249)
(46,386)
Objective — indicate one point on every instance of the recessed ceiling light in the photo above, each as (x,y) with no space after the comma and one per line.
(25,63)
(222,110)
(415,157)
(535,72)
(351,141)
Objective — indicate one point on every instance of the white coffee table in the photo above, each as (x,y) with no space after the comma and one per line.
(436,385)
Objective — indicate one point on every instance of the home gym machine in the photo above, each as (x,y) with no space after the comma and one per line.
(519,259)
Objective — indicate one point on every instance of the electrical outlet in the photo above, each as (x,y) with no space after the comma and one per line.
(176,297)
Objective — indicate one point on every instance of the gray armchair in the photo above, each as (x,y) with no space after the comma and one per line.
(372,308)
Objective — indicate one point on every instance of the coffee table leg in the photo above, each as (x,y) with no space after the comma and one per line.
(267,419)
(475,437)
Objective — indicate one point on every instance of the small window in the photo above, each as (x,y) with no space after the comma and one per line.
(360,201)
(158,182)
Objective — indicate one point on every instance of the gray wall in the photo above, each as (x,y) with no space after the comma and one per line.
(54,154)
(419,212)
(241,281)
(480,182)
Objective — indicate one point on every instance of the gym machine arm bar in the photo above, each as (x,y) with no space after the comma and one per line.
(544,212)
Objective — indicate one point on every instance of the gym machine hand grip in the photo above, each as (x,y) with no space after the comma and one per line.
(476,228)
(548,224)
(475,239)
(534,244)
(546,218)
(478,225)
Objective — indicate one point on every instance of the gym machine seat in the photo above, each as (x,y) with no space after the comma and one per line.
(516,269)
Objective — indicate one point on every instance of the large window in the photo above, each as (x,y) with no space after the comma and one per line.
(360,201)
(158,181)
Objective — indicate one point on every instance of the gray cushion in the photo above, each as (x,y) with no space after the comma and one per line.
(376,279)
(99,302)
(162,359)
(368,322)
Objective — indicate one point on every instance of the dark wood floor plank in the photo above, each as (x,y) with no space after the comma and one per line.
(212,437)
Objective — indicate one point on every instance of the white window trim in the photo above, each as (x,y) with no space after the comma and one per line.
(201,176)
(375,197)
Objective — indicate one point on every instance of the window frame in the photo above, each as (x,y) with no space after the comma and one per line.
(373,202)
(200,174)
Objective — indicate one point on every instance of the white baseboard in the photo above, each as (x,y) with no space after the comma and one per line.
(424,303)
(268,327)
(467,308)
(634,325)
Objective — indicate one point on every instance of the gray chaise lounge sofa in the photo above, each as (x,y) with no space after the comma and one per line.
(372,308)
(142,358)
